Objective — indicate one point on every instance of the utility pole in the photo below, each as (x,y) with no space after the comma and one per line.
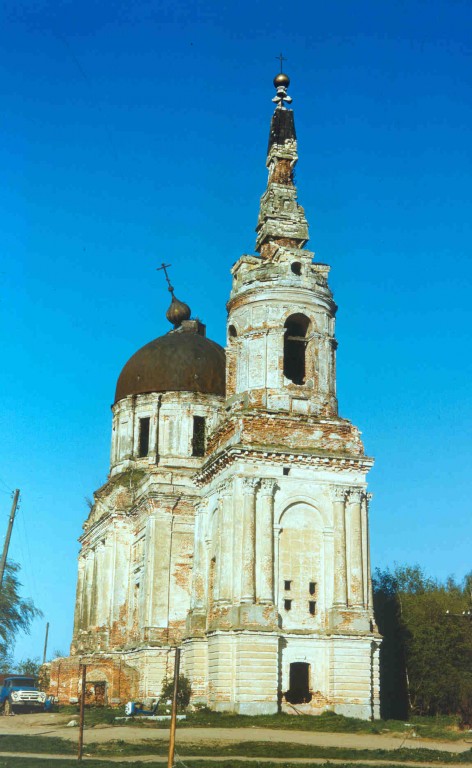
(173,719)
(3,561)
(46,643)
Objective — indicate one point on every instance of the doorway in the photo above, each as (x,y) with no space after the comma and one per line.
(99,693)
(299,691)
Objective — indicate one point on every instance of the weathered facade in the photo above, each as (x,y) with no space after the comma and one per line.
(234,522)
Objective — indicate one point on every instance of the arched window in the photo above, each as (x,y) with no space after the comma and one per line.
(296,329)
(232,333)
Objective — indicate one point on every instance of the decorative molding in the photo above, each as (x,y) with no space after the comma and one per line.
(339,493)
(249,484)
(319,463)
(226,488)
(356,495)
(201,506)
(268,486)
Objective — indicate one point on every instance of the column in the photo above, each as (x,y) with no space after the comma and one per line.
(120,572)
(149,568)
(99,583)
(87,590)
(248,581)
(370,593)
(225,571)
(277,532)
(357,575)
(265,540)
(79,596)
(157,568)
(339,495)
(132,419)
(197,599)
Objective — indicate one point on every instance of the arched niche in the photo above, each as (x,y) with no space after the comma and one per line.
(300,566)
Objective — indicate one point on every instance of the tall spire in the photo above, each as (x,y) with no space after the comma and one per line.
(281,220)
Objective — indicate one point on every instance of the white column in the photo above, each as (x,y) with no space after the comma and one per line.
(248,580)
(357,575)
(226,540)
(197,599)
(88,589)
(339,495)
(265,540)
(277,531)
(79,595)
(120,572)
(149,569)
(99,579)
(370,594)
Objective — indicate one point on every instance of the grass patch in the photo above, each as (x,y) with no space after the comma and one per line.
(37,762)
(441,727)
(251,749)
(52,745)
(255,749)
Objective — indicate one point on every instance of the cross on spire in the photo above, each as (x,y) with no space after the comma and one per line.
(165,268)
(281,59)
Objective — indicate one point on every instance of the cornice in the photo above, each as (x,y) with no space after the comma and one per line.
(320,462)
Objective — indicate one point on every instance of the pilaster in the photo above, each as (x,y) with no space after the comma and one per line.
(265,540)
(248,581)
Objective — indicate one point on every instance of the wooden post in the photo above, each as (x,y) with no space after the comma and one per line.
(173,719)
(6,545)
(46,643)
(82,711)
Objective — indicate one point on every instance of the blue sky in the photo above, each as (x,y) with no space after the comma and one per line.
(136,132)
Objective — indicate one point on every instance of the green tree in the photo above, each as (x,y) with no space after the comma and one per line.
(184,690)
(28,667)
(16,614)
(426,658)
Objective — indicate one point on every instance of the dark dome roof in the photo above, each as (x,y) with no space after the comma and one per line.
(180,361)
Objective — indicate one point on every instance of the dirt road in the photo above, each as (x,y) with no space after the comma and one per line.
(55,724)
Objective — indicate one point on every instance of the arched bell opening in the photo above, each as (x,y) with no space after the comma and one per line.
(299,681)
(295,342)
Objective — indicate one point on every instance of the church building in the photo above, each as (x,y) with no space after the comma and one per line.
(234,521)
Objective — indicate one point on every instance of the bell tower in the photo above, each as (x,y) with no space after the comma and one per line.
(281,609)
(281,345)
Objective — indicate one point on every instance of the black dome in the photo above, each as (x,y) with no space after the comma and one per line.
(180,361)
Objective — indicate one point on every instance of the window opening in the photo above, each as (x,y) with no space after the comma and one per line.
(287,584)
(312,587)
(312,607)
(299,691)
(296,268)
(296,327)
(288,605)
(144,425)
(232,332)
(198,440)
(286,470)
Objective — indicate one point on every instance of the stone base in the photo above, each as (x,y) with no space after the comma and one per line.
(349,620)
(251,617)
(243,672)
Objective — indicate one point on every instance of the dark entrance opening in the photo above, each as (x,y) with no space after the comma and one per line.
(296,327)
(299,691)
